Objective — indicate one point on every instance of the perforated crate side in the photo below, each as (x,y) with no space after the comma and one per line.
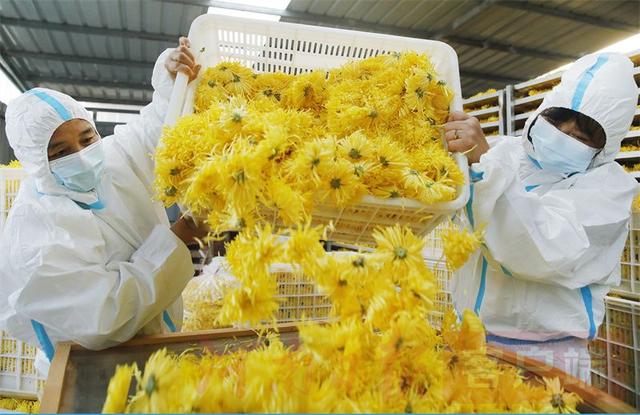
(10,179)
(299,297)
(18,376)
(615,352)
(443,301)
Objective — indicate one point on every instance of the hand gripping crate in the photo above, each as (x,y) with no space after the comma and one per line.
(10,179)
(293,48)
(615,353)
(18,376)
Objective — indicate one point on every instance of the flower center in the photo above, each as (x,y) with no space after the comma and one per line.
(354,153)
(400,252)
(557,401)
(237,117)
(239,176)
(151,385)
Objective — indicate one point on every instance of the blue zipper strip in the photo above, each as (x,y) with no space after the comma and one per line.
(43,338)
(167,320)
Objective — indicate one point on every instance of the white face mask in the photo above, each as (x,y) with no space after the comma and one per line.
(559,152)
(81,171)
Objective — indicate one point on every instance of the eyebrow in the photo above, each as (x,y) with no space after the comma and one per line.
(56,145)
(59,143)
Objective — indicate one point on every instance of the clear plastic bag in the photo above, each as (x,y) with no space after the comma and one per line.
(202,297)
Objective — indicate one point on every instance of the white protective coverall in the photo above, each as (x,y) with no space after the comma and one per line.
(75,271)
(552,243)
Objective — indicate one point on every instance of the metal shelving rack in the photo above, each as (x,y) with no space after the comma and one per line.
(631,158)
(615,354)
(524,98)
(489,109)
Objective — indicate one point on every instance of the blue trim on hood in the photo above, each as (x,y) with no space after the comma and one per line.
(585,80)
(54,103)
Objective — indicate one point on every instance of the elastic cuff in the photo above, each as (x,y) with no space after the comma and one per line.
(161,80)
(475,176)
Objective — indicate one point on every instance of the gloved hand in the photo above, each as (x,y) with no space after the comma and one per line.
(181,59)
(464,135)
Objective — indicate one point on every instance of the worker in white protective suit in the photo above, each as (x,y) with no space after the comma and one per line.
(556,208)
(88,256)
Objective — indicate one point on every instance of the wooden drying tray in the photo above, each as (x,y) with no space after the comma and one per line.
(78,377)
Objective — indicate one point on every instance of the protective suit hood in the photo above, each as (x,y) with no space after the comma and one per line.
(32,118)
(602,87)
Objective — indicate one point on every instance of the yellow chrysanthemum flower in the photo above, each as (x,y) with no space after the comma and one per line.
(339,184)
(118,390)
(400,249)
(356,148)
(459,244)
(272,85)
(312,159)
(307,91)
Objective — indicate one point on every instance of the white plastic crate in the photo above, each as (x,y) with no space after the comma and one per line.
(444,301)
(18,376)
(299,297)
(10,179)
(433,247)
(615,352)
(293,48)
(630,261)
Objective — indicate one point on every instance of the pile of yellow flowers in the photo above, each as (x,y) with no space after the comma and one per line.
(490,119)
(20,405)
(13,164)
(272,142)
(534,91)
(631,169)
(381,355)
(486,92)
(635,205)
(629,147)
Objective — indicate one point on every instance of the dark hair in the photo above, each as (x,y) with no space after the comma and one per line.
(587,125)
